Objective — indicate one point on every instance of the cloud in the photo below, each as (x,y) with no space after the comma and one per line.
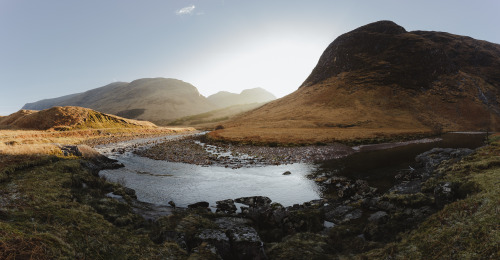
(186,10)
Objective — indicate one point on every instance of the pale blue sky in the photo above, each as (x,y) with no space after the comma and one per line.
(52,48)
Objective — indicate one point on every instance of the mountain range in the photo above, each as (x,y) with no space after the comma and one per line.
(152,99)
(381,80)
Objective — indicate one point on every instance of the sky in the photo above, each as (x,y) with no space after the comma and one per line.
(53,48)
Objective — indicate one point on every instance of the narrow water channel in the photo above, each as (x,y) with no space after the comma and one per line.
(159,182)
(379,167)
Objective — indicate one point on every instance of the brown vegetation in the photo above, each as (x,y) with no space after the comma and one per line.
(380,81)
(67,118)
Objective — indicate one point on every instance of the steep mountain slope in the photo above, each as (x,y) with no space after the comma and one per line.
(150,99)
(67,118)
(248,96)
(381,80)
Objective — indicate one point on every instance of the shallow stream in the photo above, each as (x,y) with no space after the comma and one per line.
(159,182)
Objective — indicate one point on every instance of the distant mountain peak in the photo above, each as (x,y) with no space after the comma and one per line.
(247,96)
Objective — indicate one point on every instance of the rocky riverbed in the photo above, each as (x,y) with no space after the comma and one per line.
(201,151)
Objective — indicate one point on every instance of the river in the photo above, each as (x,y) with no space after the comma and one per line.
(159,182)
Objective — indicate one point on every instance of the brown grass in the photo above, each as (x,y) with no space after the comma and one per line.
(28,142)
(67,118)
(341,109)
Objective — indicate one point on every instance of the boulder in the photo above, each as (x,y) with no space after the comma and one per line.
(197,205)
(254,201)
(226,206)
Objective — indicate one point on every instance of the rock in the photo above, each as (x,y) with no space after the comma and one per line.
(343,214)
(379,217)
(254,201)
(287,173)
(445,193)
(226,206)
(246,243)
(218,239)
(197,205)
(172,204)
(430,160)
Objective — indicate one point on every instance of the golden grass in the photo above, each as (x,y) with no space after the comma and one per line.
(312,135)
(340,109)
(28,142)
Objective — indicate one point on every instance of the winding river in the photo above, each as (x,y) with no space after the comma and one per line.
(159,182)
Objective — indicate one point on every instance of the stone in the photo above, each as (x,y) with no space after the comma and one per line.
(226,206)
(379,217)
(254,201)
(445,193)
(218,239)
(287,173)
(246,243)
(197,205)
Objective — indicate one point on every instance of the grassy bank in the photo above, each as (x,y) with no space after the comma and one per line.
(465,229)
(58,209)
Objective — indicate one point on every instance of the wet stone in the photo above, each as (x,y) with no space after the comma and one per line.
(197,205)
(254,201)
(226,206)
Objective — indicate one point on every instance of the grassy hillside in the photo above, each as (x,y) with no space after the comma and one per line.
(380,81)
(67,118)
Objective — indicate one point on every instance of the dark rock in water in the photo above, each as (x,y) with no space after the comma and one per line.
(172,204)
(445,193)
(226,206)
(254,201)
(197,205)
(287,173)
(130,192)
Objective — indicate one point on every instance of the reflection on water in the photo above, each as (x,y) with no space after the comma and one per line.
(379,167)
(160,181)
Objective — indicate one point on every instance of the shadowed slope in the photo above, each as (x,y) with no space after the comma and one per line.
(380,80)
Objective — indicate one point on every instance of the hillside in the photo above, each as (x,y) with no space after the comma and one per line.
(248,96)
(380,80)
(67,118)
(151,99)
(158,100)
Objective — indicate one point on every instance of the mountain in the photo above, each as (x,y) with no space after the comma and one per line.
(158,100)
(248,96)
(380,80)
(67,118)
(151,99)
